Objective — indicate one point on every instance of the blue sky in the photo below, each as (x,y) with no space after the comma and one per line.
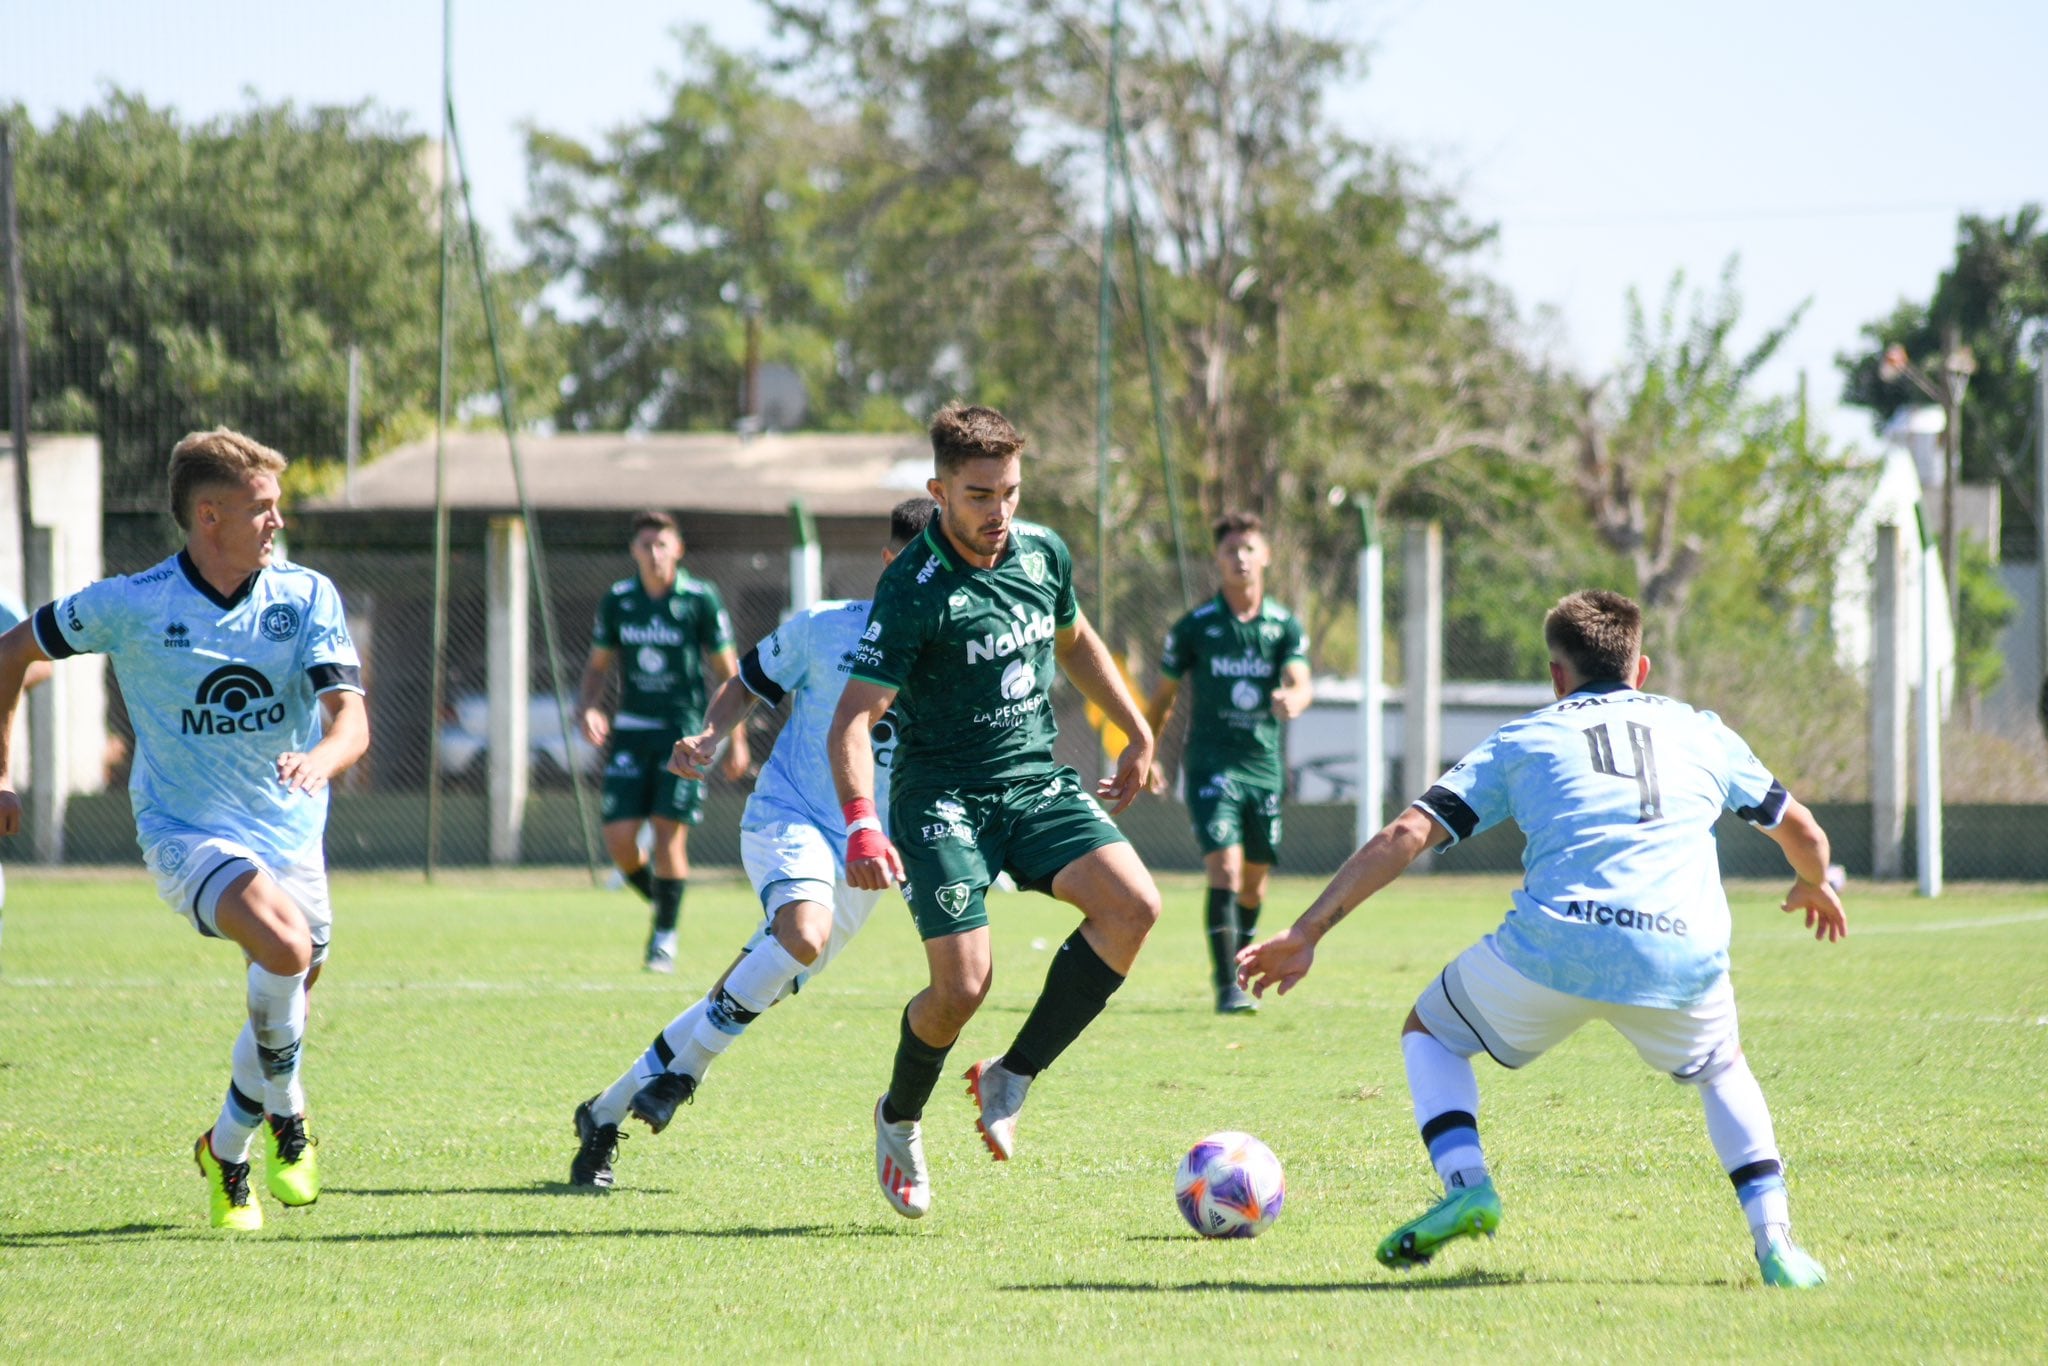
(1830,146)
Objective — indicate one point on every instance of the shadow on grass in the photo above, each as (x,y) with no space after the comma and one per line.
(533,1188)
(518,1234)
(1469,1280)
(62,1237)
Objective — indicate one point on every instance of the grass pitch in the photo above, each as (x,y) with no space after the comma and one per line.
(459,1024)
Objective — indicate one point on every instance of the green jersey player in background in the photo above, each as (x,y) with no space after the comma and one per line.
(968,627)
(662,628)
(1244,659)
(247,698)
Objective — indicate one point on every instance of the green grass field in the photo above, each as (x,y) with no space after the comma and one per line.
(458,1025)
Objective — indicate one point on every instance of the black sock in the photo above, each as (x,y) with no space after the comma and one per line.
(1222,923)
(1077,986)
(918,1065)
(1247,922)
(641,880)
(668,902)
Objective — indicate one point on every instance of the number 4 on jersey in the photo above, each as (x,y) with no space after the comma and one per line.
(1602,747)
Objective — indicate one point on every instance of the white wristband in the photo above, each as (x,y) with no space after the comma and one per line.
(864,823)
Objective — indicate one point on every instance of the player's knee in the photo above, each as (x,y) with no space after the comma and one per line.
(287,949)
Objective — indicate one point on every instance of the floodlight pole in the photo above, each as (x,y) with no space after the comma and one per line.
(1102,327)
(436,668)
(1927,826)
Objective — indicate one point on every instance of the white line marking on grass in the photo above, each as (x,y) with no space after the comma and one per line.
(1989,922)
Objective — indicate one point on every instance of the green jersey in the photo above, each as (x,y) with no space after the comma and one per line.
(660,643)
(1230,668)
(970,654)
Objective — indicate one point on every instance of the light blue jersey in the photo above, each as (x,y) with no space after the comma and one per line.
(809,658)
(1617,792)
(217,687)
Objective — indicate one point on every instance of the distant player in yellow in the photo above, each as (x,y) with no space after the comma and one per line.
(1245,660)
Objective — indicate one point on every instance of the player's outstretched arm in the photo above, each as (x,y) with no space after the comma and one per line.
(344,739)
(725,671)
(1286,958)
(22,665)
(1087,661)
(730,707)
(1806,848)
(1157,708)
(872,863)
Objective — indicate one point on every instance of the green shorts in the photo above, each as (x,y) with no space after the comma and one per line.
(637,783)
(954,840)
(1227,810)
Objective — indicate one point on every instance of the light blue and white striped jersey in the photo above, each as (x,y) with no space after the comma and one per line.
(1617,792)
(809,658)
(217,687)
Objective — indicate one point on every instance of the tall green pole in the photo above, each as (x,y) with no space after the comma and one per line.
(1102,327)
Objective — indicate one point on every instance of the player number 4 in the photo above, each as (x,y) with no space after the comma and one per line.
(1601,743)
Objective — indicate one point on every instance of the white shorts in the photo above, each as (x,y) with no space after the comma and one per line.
(1480,1003)
(794,861)
(192,871)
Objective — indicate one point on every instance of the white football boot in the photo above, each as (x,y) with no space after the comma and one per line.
(1000,1094)
(899,1166)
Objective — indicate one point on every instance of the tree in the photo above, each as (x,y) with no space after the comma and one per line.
(1995,294)
(226,271)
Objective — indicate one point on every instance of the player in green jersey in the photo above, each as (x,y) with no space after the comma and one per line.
(1245,661)
(968,627)
(655,626)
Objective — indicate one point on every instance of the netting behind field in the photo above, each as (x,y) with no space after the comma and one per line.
(1804,710)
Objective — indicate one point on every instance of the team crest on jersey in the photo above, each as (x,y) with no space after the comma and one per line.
(1035,566)
(675,609)
(953,898)
(280,621)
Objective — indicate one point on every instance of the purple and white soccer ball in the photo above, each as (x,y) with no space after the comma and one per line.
(1230,1186)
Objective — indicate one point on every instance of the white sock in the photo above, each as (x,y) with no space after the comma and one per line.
(235,1129)
(1446,1097)
(277,1017)
(760,979)
(1739,1123)
(610,1107)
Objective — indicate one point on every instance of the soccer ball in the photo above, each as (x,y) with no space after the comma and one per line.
(1230,1186)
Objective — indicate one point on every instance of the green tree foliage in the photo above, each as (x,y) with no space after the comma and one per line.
(182,276)
(1995,294)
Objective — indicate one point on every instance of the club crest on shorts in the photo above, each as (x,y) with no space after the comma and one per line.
(1034,564)
(952,898)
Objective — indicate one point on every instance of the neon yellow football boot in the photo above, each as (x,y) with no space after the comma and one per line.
(290,1169)
(227,1186)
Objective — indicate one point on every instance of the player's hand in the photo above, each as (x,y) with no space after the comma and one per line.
(1289,703)
(1824,913)
(872,863)
(307,772)
(10,813)
(1133,767)
(1280,961)
(692,756)
(597,727)
(737,760)
(1155,781)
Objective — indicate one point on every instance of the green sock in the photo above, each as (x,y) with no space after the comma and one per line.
(1247,922)
(668,902)
(1077,986)
(1222,922)
(918,1065)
